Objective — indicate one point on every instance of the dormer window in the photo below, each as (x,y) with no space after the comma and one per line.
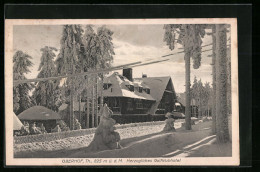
(130,87)
(121,77)
(140,89)
(147,90)
(106,86)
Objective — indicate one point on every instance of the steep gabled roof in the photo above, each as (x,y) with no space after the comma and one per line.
(119,89)
(157,87)
(38,113)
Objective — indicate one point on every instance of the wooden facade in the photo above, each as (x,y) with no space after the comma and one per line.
(167,101)
(126,105)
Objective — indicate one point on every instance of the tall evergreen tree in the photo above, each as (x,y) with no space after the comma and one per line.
(98,53)
(45,91)
(21,98)
(194,89)
(107,52)
(229,95)
(200,92)
(67,61)
(221,84)
(190,37)
(213,79)
(206,97)
(89,61)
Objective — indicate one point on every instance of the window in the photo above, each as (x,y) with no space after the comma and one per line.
(146,105)
(129,104)
(130,87)
(147,90)
(116,106)
(106,86)
(139,104)
(121,77)
(139,89)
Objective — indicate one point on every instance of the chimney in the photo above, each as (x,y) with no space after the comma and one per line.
(128,74)
(144,75)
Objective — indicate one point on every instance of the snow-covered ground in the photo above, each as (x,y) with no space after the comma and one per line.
(195,143)
(139,141)
(33,149)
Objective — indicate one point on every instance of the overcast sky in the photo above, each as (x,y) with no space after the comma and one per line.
(131,43)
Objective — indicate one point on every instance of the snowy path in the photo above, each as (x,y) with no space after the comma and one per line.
(177,144)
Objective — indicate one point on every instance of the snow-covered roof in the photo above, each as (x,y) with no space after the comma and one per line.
(17,124)
(157,87)
(177,104)
(38,113)
(119,88)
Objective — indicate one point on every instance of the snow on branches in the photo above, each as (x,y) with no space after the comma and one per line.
(21,98)
(189,36)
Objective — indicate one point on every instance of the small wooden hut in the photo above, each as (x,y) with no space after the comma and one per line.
(40,114)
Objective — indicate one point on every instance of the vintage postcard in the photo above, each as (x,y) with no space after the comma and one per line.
(116,92)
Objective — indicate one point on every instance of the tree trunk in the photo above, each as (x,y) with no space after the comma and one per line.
(71,108)
(200,112)
(221,79)
(101,93)
(93,107)
(72,100)
(187,89)
(214,80)
(87,115)
(79,109)
(96,101)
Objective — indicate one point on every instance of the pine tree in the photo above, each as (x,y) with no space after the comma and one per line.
(67,61)
(189,36)
(98,53)
(194,90)
(213,79)
(89,61)
(21,97)
(107,52)
(229,95)
(200,92)
(206,98)
(221,84)
(45,93)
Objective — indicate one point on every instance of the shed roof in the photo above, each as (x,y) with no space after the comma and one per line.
(38,113)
